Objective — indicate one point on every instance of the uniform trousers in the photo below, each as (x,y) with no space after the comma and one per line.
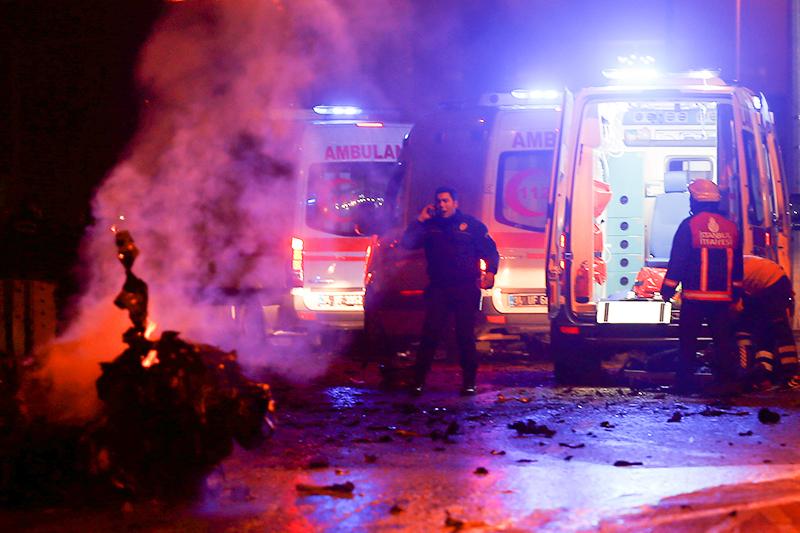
(463,302)
(719,317)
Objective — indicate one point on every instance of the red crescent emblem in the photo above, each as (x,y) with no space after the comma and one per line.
(516,192)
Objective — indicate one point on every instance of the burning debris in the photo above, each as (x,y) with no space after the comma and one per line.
(171,407)
(171,411)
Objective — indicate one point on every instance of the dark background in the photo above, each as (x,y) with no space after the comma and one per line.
(69,101)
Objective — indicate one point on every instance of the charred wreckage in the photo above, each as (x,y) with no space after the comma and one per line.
(171,411)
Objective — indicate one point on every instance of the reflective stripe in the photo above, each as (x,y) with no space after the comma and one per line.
(787,349)
(788,360)
(711,296)
(743,356)
(764,355)
(703,269)
(730,267)
(670,282)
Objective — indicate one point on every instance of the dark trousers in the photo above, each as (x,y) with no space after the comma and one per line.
(463,302)
(719,318)
(766,319)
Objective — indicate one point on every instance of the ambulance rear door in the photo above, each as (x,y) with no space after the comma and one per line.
(755,184)
(346,169)
(781,230)
(520,171)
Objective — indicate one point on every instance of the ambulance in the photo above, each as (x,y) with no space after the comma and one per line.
(499,156)
(346,164)
(632,150)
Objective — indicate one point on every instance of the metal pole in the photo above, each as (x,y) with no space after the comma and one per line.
(794,153)
(738,40)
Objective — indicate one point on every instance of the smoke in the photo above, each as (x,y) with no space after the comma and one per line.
(207,186)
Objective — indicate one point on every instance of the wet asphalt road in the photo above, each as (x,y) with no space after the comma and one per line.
(609,458)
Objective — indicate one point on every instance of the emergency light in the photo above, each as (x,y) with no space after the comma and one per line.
(339,110)
(703,74)
(536,94)
(632,75)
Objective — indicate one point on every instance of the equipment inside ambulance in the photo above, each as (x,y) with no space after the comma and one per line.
(635,148)
(499,156)
(347,161)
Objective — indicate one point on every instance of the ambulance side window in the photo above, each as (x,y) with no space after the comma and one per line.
(523,189)
(773,197)
(348,198)
(696,167)
(755,207)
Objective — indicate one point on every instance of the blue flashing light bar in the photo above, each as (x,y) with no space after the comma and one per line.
(339,110)
(536,94)
(632,75)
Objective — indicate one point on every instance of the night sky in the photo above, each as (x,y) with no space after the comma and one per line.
(71,103)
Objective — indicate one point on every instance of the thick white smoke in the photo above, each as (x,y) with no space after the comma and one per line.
(206,187)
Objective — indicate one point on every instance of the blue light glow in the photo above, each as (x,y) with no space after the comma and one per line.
(536,94)
(349,110)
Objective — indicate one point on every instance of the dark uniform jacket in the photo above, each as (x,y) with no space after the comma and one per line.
(706,259)
(454,247)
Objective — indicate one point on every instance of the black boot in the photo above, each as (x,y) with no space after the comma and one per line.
(468,385)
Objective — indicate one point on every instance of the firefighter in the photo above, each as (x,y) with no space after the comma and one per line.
(706,259)
(765,329)
(454,244)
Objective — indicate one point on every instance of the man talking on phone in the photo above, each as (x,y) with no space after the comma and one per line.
(454,245)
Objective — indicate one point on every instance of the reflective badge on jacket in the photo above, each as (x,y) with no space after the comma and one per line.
(710,231)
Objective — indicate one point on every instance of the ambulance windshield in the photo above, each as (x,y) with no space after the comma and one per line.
(634,162)
(347,198)
(523,185)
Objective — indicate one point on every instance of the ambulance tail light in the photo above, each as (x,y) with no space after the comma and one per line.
(368,264)
(562,263)
(582,283)
(297,262)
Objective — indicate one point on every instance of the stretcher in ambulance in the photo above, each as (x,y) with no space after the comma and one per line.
(635,147)
(345,168)
(499,156)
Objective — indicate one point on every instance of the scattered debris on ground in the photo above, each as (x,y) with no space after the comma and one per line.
(530,427)
(339,490)
(628,463)
(766,416)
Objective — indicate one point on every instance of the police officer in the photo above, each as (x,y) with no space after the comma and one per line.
(765,328)
(454,244)
(706,259)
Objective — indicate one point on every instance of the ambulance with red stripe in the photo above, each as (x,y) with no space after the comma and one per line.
(634,148)
(499,156)
(347,160)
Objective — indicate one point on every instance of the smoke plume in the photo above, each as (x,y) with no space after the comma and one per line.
(206,187)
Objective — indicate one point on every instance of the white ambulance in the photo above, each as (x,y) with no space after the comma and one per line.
(499,156)
(346,163)
(634,147)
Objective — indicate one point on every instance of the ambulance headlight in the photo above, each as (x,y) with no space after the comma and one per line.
(340,110)
(536,94)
